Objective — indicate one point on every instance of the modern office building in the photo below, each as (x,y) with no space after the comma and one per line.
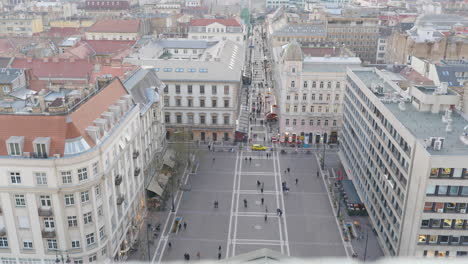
(407,152)
(73,176)
(203,80)
(310,94)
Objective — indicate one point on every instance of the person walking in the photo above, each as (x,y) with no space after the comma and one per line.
(280,212)
(198,254)
(277,211)
(317,173)
(266,217)
(297,180)
(209,147)
(219,255)
(289,170)
(219,248)
(250,159)
(180,226)
(214,159)
(262,200)
(258,183)
(261,190)
(185,226)
(245,203)
(169,244)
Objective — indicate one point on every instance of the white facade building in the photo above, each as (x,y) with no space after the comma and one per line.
(201,94)
(73,180)
(216,29)
(407,153)
(311,95)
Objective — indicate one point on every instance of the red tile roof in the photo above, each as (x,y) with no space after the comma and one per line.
(107,47)
(114,71)
(208,21)
(415,77)
(78,69)
(56,126)
(6,46)
(62,32)
(116,26)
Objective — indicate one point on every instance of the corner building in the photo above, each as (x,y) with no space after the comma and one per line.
(72,182)
(407,154)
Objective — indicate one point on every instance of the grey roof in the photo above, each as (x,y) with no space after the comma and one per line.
(422,125)
(144,86)
(442,21)
(301,29)
(225,66)
(446,73)
(293,52)
(5,62)
(185,44)
(9,75)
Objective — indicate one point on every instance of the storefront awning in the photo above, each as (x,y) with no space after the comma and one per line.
(155,187)
(169,158)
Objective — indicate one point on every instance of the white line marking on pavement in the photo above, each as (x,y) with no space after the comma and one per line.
(239,175)
(228,244)
(284,208)
(275,169)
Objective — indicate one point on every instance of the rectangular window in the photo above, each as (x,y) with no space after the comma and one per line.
(167,118)
(213,89)
(20,200)
(202,89)
(3,242)
(82,174)
(75,244)
(87,218)
(166,89)
(90,239)
(41,150)
(294,122)
(15,177)
(72,221)
(166,101)
(97,190)
(177,89)
(45,200)
(202,119)
(226,89)
(226,120)
(95,168)
(214,119)
(14,149)
(102,233)
(41,178)
(51,244)
(189,102)
(27,244)
(226,103)
(311,122)
(202,102)
(84,196)
(179,119)
(287,122)
(213,103)
(189,89)
(100,212)
(337,97)
(178,102)
(92,258)
(69,199)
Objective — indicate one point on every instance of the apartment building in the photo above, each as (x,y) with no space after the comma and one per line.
(73,179)
(201,94)
(311,92)
(357,29)
(20,24)
(115,29)
(406,153)
(216,29)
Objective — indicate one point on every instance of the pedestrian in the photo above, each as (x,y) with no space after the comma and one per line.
(185,226)
(214,160)
(297,180)
(198,254)
(180,226)
(219,255)
(266,217)
(245,203)
(277,211)
(261,190)
(170,245)
(285,171)
(250,159)
(258,183)
(317,173)
(263,200)
(188,256)
(219,248)
(209,147)
(280,212)
(289,170)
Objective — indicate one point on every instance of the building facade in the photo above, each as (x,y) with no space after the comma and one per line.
(406,153)
(311,95)
(115,29)
(201,95)
(20,24)
(74,187)
(216,29)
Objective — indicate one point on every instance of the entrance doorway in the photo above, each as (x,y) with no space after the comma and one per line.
(215,136)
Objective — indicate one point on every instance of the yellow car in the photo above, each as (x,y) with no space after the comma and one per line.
(258,147)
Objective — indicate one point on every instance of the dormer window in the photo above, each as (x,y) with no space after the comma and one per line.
(15,145)
(41,146)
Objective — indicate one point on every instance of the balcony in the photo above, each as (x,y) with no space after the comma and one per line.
(120,199)
(137,172)
(45,211)
(118,179)
(48,233)
(136,154)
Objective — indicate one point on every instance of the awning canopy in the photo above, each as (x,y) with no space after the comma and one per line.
(155,187)
(169,158)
